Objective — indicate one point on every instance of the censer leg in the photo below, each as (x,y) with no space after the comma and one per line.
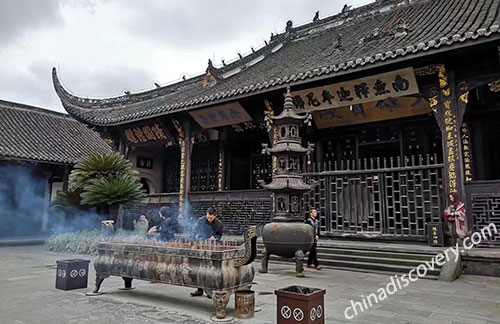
(299,263)
(128,283)
(220,299)
(98,281)
(264,261)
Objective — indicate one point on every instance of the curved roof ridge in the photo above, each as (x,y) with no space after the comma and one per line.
(20,106)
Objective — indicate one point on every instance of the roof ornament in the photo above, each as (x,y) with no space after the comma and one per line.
(127,92)
(240,56)
(253,50)
(316,16)
(210,78)
(401,28)
(289,25)
(223,62)
(265,42)
(346,9)
(157,85)
(338,41)
(183,77)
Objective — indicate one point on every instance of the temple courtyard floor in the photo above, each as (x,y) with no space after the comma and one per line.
(27,280)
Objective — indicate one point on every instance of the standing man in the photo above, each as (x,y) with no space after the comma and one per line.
(207,228)
(313,255)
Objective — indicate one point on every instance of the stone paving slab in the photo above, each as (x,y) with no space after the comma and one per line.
(27,280)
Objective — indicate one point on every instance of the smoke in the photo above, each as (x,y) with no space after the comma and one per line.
(22,196)
(23,202)
(73,220)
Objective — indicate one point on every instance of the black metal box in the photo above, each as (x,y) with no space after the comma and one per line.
(435,234)
(72,274)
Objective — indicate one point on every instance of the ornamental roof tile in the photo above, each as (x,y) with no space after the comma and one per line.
(369,35)
(35,134)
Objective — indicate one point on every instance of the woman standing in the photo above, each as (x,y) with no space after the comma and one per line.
(456,213)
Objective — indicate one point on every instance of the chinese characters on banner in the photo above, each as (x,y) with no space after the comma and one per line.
(374,88)
(223,115)
(450,121)
(373,111)
(147,134)
(466,150)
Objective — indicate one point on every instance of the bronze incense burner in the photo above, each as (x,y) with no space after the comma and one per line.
(219,268)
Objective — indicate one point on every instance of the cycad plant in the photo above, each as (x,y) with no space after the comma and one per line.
(118,189)
(104,181)
(67,201)
(98,166)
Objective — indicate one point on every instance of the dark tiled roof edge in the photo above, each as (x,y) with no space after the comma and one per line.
(79,106)
(35,134)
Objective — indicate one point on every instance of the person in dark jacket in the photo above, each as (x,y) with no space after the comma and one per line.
(168,226)
(207,228)
(313,255)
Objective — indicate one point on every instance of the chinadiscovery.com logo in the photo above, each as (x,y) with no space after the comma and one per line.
(400,282)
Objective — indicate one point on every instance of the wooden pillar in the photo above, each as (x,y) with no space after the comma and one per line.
(46,201)
(121,146)
(65,178)
(185,146)
(448,104)
(220,175)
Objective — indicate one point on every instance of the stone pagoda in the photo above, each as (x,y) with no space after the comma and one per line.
(287,236)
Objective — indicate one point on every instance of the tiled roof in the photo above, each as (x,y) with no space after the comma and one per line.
(35,134)
(371,35)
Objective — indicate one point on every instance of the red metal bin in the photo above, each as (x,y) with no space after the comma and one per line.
(297,304)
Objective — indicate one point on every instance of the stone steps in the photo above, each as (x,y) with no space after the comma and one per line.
(361,259)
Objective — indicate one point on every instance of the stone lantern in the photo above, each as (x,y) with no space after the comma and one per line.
(287,236)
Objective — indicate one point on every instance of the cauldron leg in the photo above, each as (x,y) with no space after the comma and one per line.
(98,281)
(128,283)
(264,261)
(220,299)
(299,263)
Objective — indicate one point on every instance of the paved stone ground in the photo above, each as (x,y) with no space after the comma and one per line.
(27,279)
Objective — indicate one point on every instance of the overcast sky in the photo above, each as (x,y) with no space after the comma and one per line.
(103,47)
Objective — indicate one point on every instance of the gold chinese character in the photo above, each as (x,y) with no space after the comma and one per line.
(158,131)
(138,133)
(453,185)
(447,102)
(149,133)
(130,136)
